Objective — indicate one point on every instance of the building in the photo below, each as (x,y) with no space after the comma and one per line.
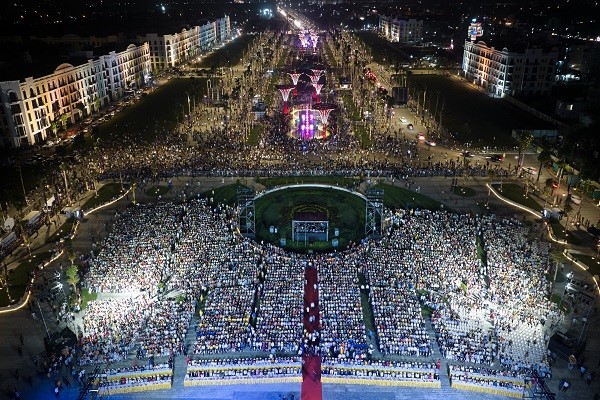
(171,50)
(515,72)
(32,109)
(405,31)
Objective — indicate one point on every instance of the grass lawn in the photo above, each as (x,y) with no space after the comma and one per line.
(289,180)
(516,193)
(64,230)
(361,133)
(255,134)
(228,55)
(18,278)
(592,262)
(464,191)
(156,191)
(395,197)
(352,111)
(86,297)
(473,116)
(559,231)
(146,118)
(105,194)
(344,211)
(384,52)
(224,194)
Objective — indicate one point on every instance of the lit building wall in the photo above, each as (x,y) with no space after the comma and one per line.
(31,109)
(405,31)
(503,72)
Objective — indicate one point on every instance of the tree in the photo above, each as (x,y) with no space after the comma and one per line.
(63,120)
(525,140)
(543,158)
(72,273)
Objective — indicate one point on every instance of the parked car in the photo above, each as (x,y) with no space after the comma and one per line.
(575,199)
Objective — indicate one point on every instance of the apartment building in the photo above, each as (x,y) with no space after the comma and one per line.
(171,50)
(405,31)
(31,109)
(514,70)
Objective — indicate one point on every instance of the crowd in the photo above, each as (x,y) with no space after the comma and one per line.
(161,262)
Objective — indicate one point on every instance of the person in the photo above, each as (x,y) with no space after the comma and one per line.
(565,385)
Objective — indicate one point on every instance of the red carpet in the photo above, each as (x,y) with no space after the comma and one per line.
(311,363)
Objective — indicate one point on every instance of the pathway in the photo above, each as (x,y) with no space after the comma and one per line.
(311,361)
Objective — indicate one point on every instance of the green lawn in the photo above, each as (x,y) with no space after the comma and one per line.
(384,52)
(86,297)
(64,230)
(105,194)
(361,132)
(146,119)
(592,262)
(464,191)
(156,191)
(559,232)
(516,193)
(395,197)
(471,115)
(228,55)
(224,194)
(18,278)
(344,211)
(289,180)
(255,134)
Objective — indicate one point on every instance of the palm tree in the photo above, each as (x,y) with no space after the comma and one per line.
(543,158)
(525,140)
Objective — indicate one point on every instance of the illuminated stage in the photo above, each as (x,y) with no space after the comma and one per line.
(306,124)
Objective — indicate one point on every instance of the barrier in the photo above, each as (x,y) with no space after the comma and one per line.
(238,381)
(486,383)
(486,389)
(381,382)
(136,381)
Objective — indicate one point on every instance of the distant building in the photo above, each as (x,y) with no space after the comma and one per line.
(405,31)
(569,108)
(171,50)
(515,72)
(31,109)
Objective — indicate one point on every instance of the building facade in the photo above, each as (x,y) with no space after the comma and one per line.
(405,31)
(32,110)
(503,72)
(174,49)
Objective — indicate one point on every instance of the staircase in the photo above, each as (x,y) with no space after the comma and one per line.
(437,354)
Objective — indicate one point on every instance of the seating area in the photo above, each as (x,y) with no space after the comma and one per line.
(243,370)
(132,379)
(501,382)
(279,322)
(399,323)
(398,373)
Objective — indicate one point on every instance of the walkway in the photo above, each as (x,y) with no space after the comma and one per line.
(311,360)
